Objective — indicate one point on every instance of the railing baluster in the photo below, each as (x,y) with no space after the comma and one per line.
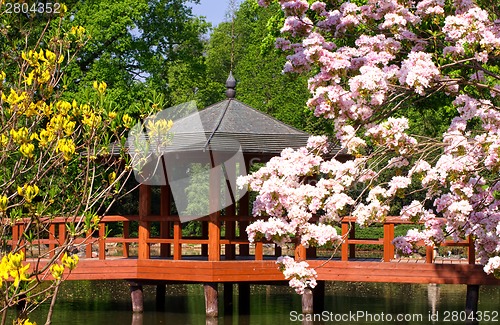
(102,241)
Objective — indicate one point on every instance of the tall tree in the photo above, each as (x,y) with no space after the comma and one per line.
(138,47)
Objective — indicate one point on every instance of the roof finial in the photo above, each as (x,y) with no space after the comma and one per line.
(230,85)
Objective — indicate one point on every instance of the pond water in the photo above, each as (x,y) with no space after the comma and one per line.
(108,302)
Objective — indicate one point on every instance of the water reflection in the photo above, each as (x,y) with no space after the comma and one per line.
(107,302)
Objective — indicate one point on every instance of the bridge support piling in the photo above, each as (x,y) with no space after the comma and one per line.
(211,299)
(138,319)
(319,297)
(307,301)
(228,298)
(471,302)
(243,298)
(161,290)
(137,297)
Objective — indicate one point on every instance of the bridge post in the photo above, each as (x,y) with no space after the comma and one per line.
(228,298)
(137,297)
(243,298)
(137,319)
(161,290)
(319,297)
(471,301)
(307,301)
(211,299)
(144,212)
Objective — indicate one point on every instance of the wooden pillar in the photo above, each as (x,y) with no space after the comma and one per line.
(352,235)
(471,252)
(319,297)
(211,299)
(144,212)
(244,212)
(243,298)
(102,241)
(88,246)
(165,205)
(213,220)
(177,240)
(126,235)
(161,290)
(137,297)
(345,245)
(204,235)
(230,251)
(228,298)
(388,238)
(307,301)
(471,302)
(429,254)
(300,253)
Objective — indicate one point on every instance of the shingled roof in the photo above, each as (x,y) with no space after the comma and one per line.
(232,120)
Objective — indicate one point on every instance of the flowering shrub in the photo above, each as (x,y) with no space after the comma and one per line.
(371,60)
(54,158)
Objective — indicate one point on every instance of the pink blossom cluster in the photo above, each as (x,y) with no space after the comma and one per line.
(369,60)
(300,274)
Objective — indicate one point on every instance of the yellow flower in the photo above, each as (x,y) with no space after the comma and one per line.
(2,76)
(27,150)
(29,78)
(91,120)
(66,147)
(70,261)
(4,202)
(31,110)
(57,271)
(100,87)
(127,121)
(25,322)
(20,274)
(45,138)
(63,107)
(44,76)
(20,136)
(56,123)
(112,177)
(28,192)
(4,140)
(51,56)
(63,10)
(69,127)
(112,115)
(14,98)
(77,31)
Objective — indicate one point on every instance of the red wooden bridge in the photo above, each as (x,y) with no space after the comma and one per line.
(224,254)
(229,258)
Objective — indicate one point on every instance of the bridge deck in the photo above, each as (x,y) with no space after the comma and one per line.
(198,269)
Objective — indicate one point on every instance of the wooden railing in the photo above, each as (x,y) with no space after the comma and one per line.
(171,242)
(349,245)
